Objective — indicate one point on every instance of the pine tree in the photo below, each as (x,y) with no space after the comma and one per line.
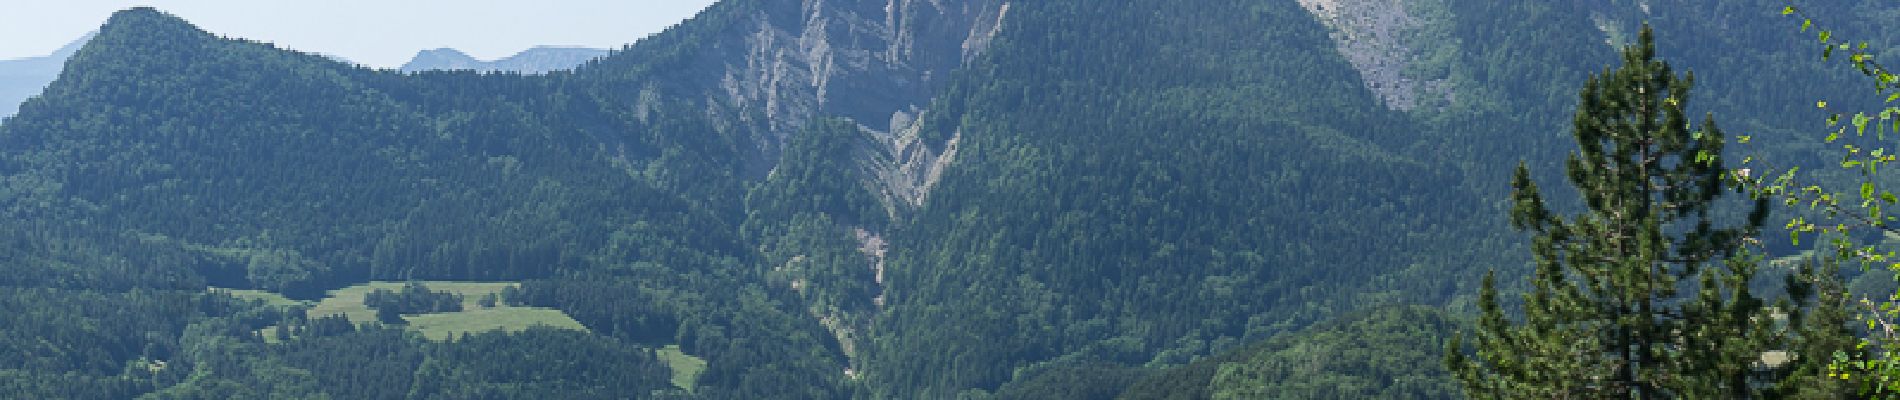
(1644,294)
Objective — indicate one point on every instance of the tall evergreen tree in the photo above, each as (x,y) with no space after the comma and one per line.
(1645,293)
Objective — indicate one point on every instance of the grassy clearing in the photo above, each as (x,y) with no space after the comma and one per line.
(444,326)
(686,368)
(348,302)
(472,319)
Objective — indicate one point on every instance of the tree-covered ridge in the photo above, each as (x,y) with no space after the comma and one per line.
(169,158)
(1369,354)
(177,123)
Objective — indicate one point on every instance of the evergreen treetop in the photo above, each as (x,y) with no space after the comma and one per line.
(1646,292)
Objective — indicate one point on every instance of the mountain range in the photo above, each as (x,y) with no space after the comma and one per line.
(538,60)
(836,199)
(25,77)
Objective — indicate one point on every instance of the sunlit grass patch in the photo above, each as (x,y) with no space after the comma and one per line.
(473,318)
(443,326)
(686,368)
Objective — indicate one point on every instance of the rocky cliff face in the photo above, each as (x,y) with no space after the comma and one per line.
(873,61)
(878,63)
(1383,39)
(781,65)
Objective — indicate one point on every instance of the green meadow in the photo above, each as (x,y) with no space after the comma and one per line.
(473,318)
(686,368)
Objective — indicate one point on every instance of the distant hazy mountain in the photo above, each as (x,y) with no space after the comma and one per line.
(538,60)
(25,77)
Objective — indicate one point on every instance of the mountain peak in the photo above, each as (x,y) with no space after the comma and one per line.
(444,52)
(144,19)
(145,30)
(536,60)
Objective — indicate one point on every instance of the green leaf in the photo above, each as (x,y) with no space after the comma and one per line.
(1867,190)
(1787,10)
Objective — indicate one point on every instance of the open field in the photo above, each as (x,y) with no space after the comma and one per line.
(472,319)
(348,302)
(443,326)
(686,368)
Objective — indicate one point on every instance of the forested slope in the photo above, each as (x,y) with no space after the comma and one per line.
(1104,212)
(169,159)
(1144,182)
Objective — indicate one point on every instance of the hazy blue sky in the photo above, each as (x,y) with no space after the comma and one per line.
(379,33)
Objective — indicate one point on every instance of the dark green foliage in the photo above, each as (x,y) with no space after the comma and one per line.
(1389,353)
(390,363)
(1103,209)
(1193,381)
(816,219)
(468,177)
(821,174)
(329,325)
(1385,354)
(750,341)
(1647,293)
(389,316)
(170,159)
(1825,321)
(511,296)
(538,363)
(413,299)
(47,385)
(1082,382)
(357,365)
(85,333)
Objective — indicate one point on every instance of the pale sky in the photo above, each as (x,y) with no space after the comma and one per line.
(378,33)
